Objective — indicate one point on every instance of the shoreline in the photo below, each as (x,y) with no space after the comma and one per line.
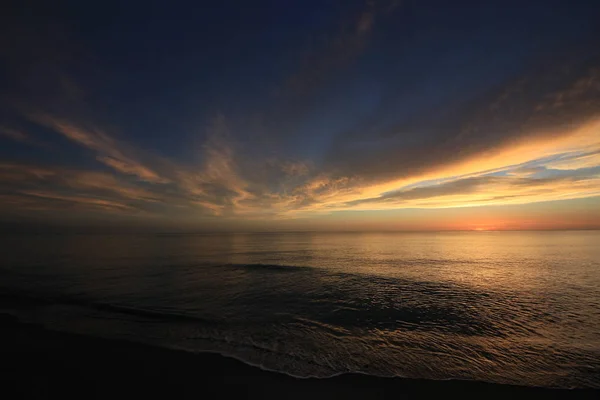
(43,364)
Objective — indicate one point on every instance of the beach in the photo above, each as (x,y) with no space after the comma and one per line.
(43,364)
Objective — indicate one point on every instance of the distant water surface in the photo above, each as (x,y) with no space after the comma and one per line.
(506,307)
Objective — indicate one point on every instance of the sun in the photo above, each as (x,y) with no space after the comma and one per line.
(484,228)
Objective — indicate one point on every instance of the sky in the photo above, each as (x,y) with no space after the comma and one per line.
(301,115)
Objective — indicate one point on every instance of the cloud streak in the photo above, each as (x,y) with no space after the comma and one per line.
(19,136)
(109,151)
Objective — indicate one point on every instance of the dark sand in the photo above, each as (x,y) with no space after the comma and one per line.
(40,364)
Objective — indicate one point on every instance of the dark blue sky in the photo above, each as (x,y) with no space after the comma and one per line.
(366,92)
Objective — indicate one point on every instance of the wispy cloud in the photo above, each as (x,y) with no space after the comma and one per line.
(19,136)
(109,151)
(486,190)
(97,189)
(579,160)
(81,200)
(214,186)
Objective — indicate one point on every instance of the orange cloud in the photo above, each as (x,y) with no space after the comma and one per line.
(132,168)
(81,200)
(110,152)
(347,194)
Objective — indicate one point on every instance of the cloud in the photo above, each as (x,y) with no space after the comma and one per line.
(520,112)
(129,167)
(19,136)
(99,190)
(215,185)
(464,182)
(298,168)
(576,161)
(110,152)
(14,135)
(486,190)
(99,181)
(13,172)
(89,202)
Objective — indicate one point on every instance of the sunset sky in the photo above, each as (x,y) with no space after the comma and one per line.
(301,115)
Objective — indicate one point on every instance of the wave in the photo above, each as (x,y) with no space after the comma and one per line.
(22,300)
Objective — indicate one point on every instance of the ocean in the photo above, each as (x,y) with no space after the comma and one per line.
(503,307)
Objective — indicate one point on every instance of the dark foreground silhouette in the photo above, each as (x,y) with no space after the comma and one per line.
(40,364)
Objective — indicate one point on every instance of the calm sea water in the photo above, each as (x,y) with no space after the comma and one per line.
(507,307)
